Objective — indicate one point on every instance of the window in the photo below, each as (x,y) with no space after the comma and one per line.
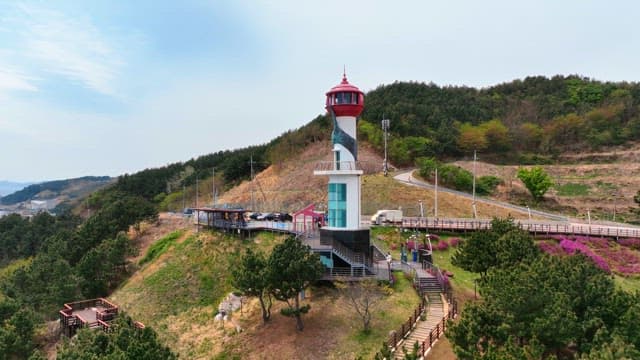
(337,205)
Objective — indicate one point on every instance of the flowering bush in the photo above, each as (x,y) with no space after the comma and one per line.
(434,237)
(550,248)
(442,245)
(572,247)
(622,259)
(453,242)
(630,243)
(412,245)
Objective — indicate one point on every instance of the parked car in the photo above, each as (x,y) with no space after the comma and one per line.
(286,217)
(252,215)
(264,216)
(187,212)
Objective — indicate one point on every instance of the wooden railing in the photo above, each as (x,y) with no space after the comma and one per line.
(548,227)
(398,336)
(439,330)
(71,322)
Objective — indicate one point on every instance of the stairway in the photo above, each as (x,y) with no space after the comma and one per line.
(431,290)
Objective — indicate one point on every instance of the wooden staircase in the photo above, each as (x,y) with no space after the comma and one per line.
(430,289)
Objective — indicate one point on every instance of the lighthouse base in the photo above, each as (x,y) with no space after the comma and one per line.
(355,240)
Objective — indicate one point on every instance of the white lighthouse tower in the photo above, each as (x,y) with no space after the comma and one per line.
(344,102)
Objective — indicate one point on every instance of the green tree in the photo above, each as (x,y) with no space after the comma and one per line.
(536,180)
(472,138)
(477,253)
(251,277)
(497,135)
(292,268)
(124,342)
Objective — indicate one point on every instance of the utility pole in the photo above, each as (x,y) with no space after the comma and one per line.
(421,210)
(213,187)
(253,205)
(184,191)
(385,129)
(435,207)
(196,190)
(473,203)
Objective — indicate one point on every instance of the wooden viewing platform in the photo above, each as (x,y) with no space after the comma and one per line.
(92,314)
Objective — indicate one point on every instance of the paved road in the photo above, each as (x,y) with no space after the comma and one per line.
(407,178)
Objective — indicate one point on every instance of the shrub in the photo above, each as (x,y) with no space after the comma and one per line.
(442,245)
(487,184)
(572,247)
(630,243)
(453,242)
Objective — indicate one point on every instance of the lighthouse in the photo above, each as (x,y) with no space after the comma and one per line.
(344,103)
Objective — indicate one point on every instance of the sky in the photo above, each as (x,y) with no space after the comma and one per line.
(113,87)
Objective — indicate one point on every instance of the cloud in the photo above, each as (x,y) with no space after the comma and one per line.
(69,46)
(14,80)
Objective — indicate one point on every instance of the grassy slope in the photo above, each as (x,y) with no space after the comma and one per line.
(177,293)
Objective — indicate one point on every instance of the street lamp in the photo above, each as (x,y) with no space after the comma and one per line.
(385,129)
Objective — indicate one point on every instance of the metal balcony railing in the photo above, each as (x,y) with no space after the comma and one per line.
(338,165)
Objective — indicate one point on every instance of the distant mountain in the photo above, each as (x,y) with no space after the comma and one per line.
(61,190)
(8,187)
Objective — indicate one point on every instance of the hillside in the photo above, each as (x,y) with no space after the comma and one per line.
(178,295)
(9,187)
(290,185)
(57,191)
(603,183)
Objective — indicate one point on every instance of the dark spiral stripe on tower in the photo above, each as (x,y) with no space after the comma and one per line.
(339,136)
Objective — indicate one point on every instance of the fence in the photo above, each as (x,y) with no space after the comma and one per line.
(398,336)
(438,331)
(533,227)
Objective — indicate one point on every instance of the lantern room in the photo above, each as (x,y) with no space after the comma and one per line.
(345,99)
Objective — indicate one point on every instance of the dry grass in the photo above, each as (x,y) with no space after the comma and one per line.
(379,192)
(610,185)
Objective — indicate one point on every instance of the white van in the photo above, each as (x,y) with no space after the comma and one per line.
(387,216)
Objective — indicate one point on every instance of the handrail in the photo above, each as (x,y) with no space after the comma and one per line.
(547,227)
(350,255)
(396,337)
(338,165)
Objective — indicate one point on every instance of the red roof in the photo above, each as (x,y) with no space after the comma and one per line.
(344,86)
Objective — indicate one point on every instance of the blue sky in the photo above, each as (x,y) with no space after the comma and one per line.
(109,87)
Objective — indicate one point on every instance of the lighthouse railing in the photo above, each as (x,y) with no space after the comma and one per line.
(339,165)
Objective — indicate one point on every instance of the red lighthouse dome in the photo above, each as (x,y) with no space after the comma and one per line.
(345,99)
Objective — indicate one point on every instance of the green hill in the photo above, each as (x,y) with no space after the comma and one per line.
(68,189)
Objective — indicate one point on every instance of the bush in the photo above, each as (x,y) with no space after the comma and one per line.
(442,245)
(453,242)
(487,184)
